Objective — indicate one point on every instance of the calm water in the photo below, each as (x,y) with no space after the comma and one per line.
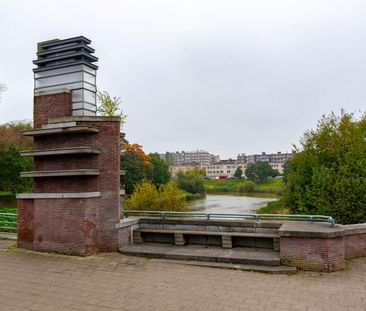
(217,203)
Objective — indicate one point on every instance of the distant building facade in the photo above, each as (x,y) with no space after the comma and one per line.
(175,169)
(182,158)
(276,160)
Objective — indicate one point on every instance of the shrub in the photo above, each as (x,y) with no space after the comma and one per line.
(144,197)
(274,207)
(191,181)
(171,197)
(246,186)
(147,198)
(327,174)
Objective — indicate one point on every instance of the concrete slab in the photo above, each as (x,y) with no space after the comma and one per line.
(62,130)
(58,173)
(8,236)
(252,268)
(206,254)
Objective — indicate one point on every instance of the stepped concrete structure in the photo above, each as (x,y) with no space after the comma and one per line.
(75,204)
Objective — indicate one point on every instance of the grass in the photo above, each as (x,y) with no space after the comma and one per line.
(274,207)
(5,193)
(11,222)
(272,185)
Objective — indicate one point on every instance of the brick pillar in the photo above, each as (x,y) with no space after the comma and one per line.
(75,206)
(51,106)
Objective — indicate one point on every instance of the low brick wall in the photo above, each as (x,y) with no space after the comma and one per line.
(313,254)
(355,241)
(306,245)
(319,246)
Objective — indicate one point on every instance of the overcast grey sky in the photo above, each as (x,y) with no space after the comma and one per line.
(225,76)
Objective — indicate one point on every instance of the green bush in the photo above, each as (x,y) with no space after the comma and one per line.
(191,181)
(171,198)
(327,174)
(144,197)
(274,207)
(147,198)
(246,186)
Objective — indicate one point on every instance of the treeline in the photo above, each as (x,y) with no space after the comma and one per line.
(149,184)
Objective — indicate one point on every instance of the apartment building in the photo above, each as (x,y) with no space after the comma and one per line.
(200,157)
(276,160)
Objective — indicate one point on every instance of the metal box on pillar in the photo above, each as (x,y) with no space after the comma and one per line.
(75,204)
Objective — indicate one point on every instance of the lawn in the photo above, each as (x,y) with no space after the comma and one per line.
(273,185)
(8,223)
(5,193)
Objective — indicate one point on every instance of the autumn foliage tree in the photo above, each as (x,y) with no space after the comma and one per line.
(136,164)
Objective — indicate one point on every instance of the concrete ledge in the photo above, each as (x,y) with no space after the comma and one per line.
(60,151)
(311,230)
(64,195)
(354,229)
(83,119)
(127,222)
(207,232)
(51,92)
(265,225)
(58,125)
(61,130)
(60,173)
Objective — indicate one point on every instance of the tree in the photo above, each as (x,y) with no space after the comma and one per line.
(238,173)
(136,164)
(160,170)
(327,174)
(110,106)
(259,171)
(191,181)
(169,158)
(11,163)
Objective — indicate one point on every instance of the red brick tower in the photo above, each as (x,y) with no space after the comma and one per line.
(75,206)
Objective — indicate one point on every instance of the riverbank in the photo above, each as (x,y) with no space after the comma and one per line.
(272,185)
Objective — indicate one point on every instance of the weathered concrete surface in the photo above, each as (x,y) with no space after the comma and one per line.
(36,281)
(200,253)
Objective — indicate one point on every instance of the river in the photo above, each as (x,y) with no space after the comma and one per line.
(218,203)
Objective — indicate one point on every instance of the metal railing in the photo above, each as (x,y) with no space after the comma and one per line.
(8,222)
(256,217)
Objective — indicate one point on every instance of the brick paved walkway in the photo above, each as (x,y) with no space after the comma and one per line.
(32,281)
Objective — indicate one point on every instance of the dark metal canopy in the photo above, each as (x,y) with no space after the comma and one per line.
(57,53)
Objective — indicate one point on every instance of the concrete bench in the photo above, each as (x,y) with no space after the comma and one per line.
(226,237)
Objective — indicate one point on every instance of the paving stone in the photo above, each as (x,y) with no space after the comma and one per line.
(38,281)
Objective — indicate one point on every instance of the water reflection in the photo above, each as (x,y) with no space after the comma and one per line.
(229,204)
